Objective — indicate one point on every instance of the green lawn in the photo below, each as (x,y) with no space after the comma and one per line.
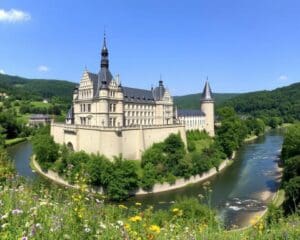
(40,104)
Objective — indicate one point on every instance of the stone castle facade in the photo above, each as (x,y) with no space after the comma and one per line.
(111,119)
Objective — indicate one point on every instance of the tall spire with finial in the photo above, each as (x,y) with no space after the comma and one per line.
(206,94)
(104,54)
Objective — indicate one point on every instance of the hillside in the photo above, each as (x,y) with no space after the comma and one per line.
(192,101)
(282,102)
(35,89)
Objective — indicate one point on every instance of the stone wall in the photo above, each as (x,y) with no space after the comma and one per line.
(158,187)
(131,142)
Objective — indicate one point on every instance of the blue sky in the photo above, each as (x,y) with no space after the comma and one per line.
(241,45)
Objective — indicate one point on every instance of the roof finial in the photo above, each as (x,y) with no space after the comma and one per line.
(104,39)
(160,80)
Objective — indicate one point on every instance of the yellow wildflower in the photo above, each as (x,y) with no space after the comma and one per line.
(138,204)
(127,226)
(136,218)
(154,228)
(175,210)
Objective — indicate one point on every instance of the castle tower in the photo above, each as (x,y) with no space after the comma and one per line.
(207,107)
(104,78)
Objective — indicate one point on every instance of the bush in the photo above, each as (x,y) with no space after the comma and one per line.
(45,150)
(149,177)
(291,143)
(292,193)
(193,210)
(6,166)
(291,168)
(98,170)
(123,180)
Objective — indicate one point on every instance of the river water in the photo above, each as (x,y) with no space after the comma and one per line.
(239,192)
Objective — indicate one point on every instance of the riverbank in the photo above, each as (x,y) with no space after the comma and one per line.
(14,141)
(157,188)
(275,198)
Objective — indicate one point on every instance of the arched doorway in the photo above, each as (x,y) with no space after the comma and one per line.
(70,146)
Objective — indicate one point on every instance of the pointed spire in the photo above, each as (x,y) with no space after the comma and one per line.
(104,41)
(104,54)
(207,93)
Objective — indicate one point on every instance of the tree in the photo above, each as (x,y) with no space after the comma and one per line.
(275,122)
(98,170)
(123,180)
(174,149)
(291,143)
(291,168)
(45,150)
(149,177)
(154,155)
(292,194)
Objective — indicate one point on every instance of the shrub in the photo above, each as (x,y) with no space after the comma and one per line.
(6,166)
(292,193)
(192,210)
(291,168)
(291,143)
(123,180)
(149,177)
(45,150)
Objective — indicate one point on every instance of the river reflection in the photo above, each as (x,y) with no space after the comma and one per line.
(237,193)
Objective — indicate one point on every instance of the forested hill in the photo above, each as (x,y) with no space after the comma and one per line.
(192,101)
(282,102)
(35,89)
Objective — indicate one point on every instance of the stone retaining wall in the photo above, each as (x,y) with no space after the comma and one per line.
(158,187)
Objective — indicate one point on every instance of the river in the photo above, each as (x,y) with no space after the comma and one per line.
(239,192)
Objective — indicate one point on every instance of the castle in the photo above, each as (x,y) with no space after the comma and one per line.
(112,119)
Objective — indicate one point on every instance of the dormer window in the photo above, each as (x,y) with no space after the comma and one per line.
(112,93)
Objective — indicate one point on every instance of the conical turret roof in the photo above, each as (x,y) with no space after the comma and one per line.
(207,93)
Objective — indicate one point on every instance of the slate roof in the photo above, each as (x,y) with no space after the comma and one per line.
(137,95)
(39,116)
(206,94)
(189,112)
(98,79)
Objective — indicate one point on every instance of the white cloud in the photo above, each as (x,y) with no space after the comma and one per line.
(2,71)
(13,15)
(43,68)
(283,78)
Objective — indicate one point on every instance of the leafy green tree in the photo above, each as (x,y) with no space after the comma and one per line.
(123,180)
(154,155)
(149,177)
(98,170)
(275,122)
(76,165)
(232,132)
(291,168)
(45,150)
(175,150)
(291,143)
(259,127)
(292,194)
